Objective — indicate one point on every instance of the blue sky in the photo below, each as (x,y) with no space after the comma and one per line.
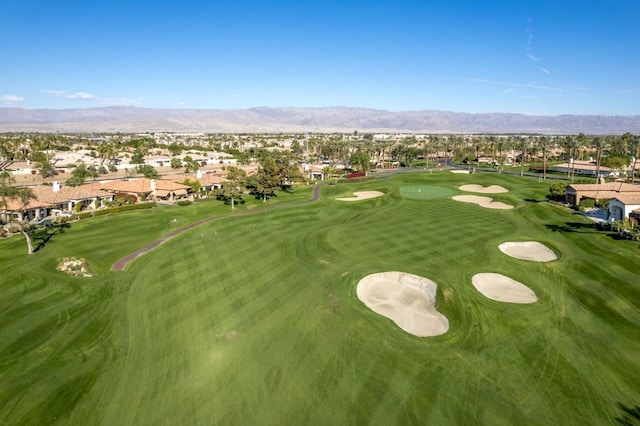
(533,57)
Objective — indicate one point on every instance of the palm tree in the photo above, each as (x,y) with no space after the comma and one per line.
(634,145)
(599,144)
(570,143)
(501,144)
(543,144)
(524,144)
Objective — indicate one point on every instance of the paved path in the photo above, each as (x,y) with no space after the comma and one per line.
(124,261)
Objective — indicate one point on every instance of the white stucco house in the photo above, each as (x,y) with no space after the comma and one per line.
(624,206)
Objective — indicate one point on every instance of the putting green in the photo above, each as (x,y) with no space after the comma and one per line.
(425,192)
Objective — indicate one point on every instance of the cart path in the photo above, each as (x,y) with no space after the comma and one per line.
(124,261)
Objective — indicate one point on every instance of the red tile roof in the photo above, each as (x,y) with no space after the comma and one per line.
(142,186)
(16,205)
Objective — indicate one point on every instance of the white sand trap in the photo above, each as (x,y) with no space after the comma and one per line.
(460,172)
(493,189)
(503,289)
(406,299)
(528,250)
(482,202)
(362,195)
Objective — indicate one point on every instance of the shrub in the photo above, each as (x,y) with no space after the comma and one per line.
(82,215)
(183,203)
(587,203)
(557,191)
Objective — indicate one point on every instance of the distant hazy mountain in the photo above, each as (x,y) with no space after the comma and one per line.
(331,119)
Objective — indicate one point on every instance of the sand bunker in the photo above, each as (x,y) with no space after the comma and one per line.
(493,189)
(362,195)
(460,172)
(503,289)
(528,250)
(482,201)
(406,299)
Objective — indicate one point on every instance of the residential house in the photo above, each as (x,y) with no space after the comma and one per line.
(56,200)
(148,189)
(209,181)
(157,160)
(20,167)
(588,168)
(603,191)
(15,211)
(625,206)
(61,198)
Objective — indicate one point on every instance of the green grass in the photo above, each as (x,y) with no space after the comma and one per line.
(254,319)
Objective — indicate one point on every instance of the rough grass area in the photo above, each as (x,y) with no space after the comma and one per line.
(254,319)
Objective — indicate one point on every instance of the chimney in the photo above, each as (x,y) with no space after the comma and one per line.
(153,186)
(56,186)
(199,174)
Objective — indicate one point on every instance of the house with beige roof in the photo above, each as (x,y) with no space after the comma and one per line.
(148,189)
(64,198)
(589,168)
(601,191)
(625,206)
(15,211)
(55,200)
(209,181)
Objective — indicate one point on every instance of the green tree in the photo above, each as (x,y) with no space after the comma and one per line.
(176,163)
(147,171)
(600,144)
(330,171)
(523,143)
(138,156)
(79,176)
(502,144)
(233,188)
(543,144)
(24,195)
(266,180)
(634,147)
(45,166)
(571,143)
(360,161)
(194,184)
(175,149)
(190,165)
(557,191)
(288,170)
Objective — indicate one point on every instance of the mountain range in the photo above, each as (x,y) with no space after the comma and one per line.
(326,119)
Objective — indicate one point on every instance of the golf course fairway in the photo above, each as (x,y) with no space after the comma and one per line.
(253,318)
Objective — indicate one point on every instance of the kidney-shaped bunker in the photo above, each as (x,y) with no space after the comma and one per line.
(406,299)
